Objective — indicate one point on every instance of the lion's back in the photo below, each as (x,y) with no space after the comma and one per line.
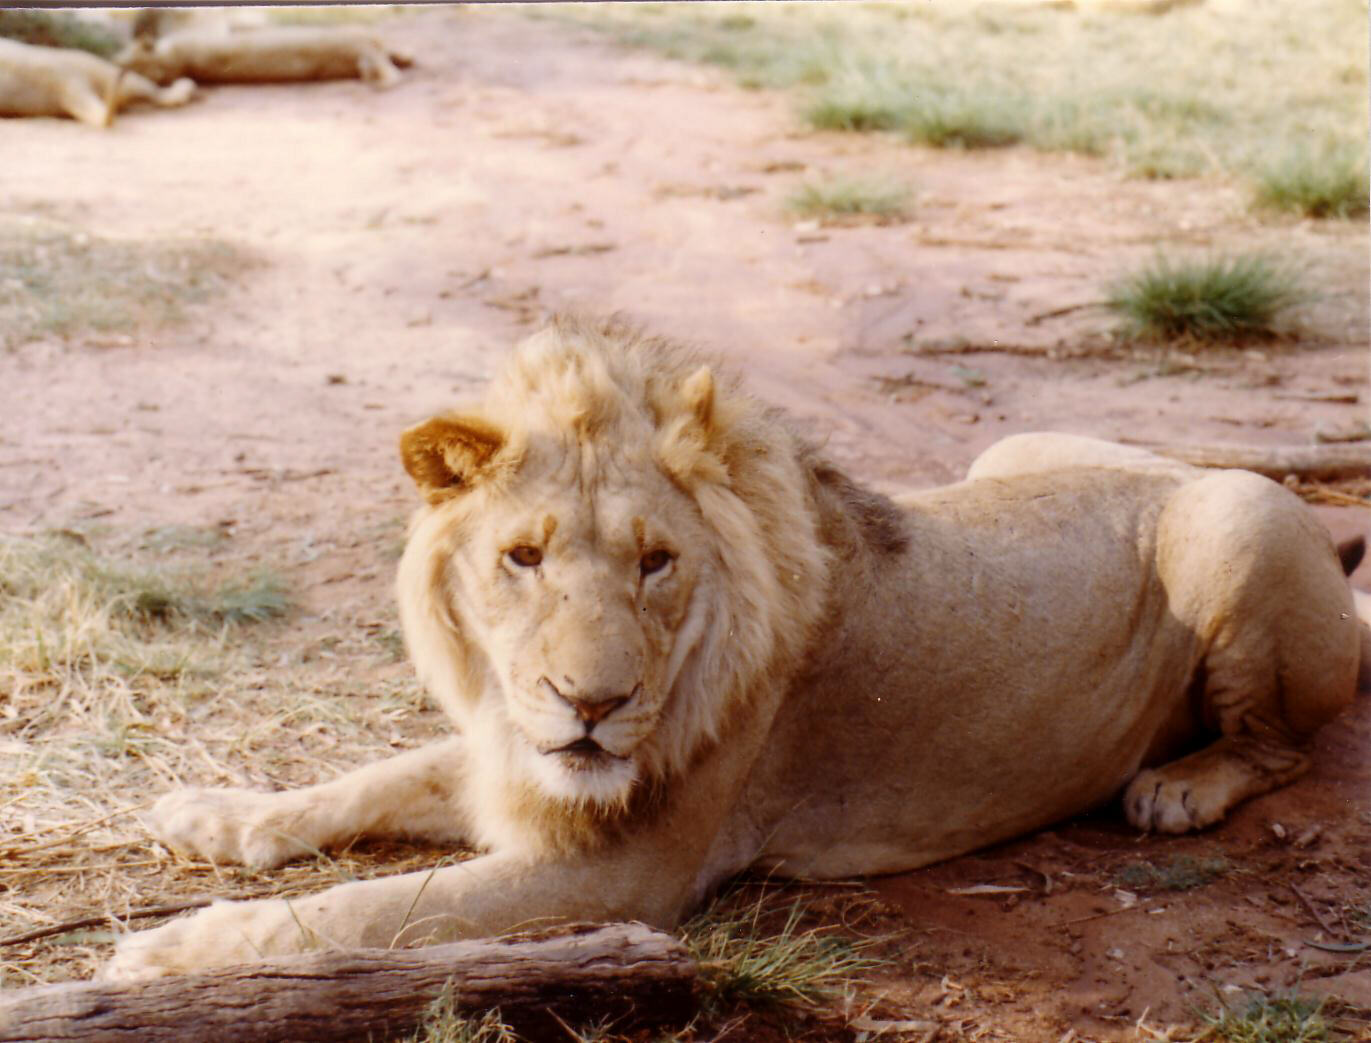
(1000,670)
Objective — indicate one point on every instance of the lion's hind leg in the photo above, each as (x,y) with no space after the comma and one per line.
(412,795)
(1255,577)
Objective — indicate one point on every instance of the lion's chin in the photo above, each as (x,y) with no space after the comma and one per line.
(584,773)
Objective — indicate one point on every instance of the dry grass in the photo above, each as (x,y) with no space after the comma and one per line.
(443,1023)
(745,961)
(1268,1019)
(134,663)
(763,962)
(59,281)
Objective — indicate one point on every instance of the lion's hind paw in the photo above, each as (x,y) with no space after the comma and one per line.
(1157,804)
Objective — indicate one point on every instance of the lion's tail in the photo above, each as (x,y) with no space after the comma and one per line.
(1350,553)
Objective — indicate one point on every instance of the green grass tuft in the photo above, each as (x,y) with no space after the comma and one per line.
(968,120)
(255,599)
(1217,300)
(849,198)
(1182,873)
(859,96)
(53,29)
(1331,183)
(743,963)
(1267,1020)
(57,281)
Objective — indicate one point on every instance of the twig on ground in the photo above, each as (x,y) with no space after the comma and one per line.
(13,847)
(96,921)
(1055,313)
(1100,916)
(1319,918)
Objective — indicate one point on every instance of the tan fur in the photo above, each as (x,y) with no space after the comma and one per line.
(780,668)
(282,54)
(55,81)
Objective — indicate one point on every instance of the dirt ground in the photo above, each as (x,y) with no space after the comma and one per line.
(404,239)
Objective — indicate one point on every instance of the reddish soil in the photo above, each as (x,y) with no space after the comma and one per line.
(407,237)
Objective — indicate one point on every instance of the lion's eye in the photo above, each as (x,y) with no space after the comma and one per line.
(526,557)
(654,561)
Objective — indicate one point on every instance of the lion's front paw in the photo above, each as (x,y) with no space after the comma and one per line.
(225,933)
(1160,804)
(229,826)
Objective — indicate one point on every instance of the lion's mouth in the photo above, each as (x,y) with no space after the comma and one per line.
(584,752)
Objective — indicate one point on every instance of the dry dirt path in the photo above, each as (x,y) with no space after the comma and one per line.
(406,238)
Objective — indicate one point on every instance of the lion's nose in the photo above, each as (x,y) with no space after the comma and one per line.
(592,712)
(592,707)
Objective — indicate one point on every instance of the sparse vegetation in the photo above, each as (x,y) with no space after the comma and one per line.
(1329,183)
(56,29)
(315,15)
(744,963)
(58,281)
(870,96)
(1268,1020)
(850,198)
(963,119)
(1359,916)
(741,962)
(1212,300)
(73,622)
(134,662)
(444,1023)
(1195,92)
(1182,873)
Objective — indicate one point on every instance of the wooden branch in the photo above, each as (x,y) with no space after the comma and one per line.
(626,972)
(1313,462)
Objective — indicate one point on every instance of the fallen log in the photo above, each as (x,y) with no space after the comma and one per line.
(628,973)
(1310,462)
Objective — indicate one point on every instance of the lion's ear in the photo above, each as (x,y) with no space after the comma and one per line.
(445,454)
(698,392)
(686,445)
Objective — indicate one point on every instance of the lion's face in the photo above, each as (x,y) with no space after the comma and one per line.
(580,596)
(611,559)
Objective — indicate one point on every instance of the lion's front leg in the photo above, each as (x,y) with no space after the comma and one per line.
(488,895)
(414,795)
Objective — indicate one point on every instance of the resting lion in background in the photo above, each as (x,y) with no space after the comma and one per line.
(676,643)
(282,54)
(58,81)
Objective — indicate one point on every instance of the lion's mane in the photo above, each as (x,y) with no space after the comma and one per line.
(604,385)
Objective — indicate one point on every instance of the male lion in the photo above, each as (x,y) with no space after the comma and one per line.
(58,81)
(676,643)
